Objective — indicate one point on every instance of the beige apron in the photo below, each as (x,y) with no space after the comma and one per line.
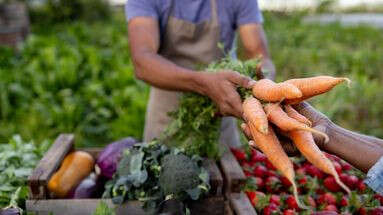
(188,45)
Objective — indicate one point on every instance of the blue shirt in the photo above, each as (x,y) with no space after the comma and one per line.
(374,177)
(231,13)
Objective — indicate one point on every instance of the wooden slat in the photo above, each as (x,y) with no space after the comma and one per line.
(241,205)
(234,177)
(48,165)
(209,206)
(216,180)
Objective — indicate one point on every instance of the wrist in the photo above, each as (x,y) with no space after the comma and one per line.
(199,82)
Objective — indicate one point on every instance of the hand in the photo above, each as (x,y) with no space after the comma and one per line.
(266,69)
(319,122)
(221,87)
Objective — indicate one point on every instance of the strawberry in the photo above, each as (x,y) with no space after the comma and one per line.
(272,183)
(314,171)
(377,211)
(310,201)
(379,197)
(240,155)
(302,181)
(331,184)
(361,186)
(247,173)
(319,191)
(346,166)
(343,202)
(301,171)
(258,157)
(259,182)
(352,181)
(289,212)
(291,203)
(260,171)
(269,165)
(325,213)
(254,196)
(285,182)
(362,211)
(275,199)
(327,199)
(270,209)
(331,208)
(271,173)
(337,166)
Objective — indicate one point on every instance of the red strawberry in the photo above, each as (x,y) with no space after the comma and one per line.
(325,213)
(258,157)
(302,181)
(327,199)
(269,165)
(331,208)
(343,202)
(377,211)
(379,197)
(362,211)
(361,186)
(259,182)
(352,181)
(275,199)
(314,171)
(319,191)
(285,181)
(310,201)
(331,184)
(338,167)
(270,209)
(272,183)
(291,203)
(343,177)
(247,173)
(240,155)
(271,173)
(301,171)
(289,212)
(346,166)
(260,171)
(254,196)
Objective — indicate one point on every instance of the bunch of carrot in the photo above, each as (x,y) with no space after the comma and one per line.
(275,108)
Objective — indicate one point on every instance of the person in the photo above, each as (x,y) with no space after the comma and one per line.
(170,39)
(362,151)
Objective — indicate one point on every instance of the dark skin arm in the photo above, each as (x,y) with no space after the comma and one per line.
(144,39)
(255,45)
(360,150)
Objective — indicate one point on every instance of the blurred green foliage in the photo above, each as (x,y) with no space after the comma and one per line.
(78,77)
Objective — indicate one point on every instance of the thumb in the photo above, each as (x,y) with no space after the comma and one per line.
(241,80)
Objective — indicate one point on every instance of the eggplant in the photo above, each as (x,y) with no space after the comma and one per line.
(90,187)
(108,159)
(10,211)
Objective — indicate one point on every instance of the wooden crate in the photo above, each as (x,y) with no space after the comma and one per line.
(40,203)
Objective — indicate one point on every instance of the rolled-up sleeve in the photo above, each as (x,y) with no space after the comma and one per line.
(247,11)
(374,177)
(136,8)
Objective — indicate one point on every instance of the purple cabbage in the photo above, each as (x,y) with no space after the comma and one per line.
(108,159)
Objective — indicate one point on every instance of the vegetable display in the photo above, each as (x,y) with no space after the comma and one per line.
(90,187)
(267,188)
(75,167)
(153,172)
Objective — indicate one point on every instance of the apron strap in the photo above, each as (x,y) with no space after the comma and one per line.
(214,11)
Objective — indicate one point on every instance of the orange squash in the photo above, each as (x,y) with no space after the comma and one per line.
(75,167)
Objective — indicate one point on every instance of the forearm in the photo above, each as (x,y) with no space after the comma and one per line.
(359,150)
(160,72)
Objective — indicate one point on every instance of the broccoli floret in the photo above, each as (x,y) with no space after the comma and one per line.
(179,174)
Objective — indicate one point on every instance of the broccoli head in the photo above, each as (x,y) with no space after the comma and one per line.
(178,174)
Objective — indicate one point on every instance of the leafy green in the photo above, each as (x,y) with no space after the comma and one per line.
(17,160)
(142,170)
(195,125)
(103,209)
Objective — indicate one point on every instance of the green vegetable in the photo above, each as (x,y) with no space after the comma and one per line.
(17,160)
(103,209)
(195,125)
(142,172)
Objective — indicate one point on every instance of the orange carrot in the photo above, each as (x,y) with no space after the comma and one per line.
(313,86)
(271,147)
(304,141)
(291,112)
(278,117)
(268,90)
(255,113)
